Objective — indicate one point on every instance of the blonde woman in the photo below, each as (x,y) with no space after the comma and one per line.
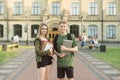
(43,58)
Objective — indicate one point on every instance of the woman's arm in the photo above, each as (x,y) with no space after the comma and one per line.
(39,51)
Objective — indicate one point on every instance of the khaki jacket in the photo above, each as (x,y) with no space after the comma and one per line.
(38,51)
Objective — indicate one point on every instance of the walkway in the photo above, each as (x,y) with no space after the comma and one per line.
(86,68)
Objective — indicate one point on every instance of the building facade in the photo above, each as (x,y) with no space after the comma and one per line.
(98,18)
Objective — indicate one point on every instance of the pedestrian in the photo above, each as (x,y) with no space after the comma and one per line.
(96,43)
(80,38)
(92,43)
(83,40)
(43,58)
(16,39)
(64,61)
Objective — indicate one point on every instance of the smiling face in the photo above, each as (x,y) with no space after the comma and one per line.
(63,28)
(43,30)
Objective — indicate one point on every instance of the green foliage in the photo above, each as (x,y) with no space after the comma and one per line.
(112,56)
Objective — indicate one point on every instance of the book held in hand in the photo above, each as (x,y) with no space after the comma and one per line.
(68,44)
(46,46)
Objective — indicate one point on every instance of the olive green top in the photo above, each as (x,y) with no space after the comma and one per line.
(67,60)
(38,51)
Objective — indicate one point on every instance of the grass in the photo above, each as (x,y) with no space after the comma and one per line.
(5,56)
(26,46)
(112,56)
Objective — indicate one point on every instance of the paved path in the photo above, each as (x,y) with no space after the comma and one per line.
(86,68)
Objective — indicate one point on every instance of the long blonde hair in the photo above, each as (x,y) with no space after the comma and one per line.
(39,30)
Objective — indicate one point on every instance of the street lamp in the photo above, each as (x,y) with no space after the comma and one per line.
(7,18)
(27,30)
(102,16)
(81,17)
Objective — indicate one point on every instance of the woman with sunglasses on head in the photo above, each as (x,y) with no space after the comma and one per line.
(43,58)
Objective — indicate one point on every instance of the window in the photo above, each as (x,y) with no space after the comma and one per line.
(18,8)
(111,8)
(75,8)
(55,10)
(92,31)
(111,31)
(36,8)
(74,29)
(1,30)
(93,8)
(1,7)
(18,30)
(34,30)
(55,29)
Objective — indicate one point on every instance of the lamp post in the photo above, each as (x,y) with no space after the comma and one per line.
(27,17)
(27,27)
(81,24)
(27,30)
(7,18)
(102,22)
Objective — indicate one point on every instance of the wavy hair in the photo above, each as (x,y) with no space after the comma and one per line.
(39,30)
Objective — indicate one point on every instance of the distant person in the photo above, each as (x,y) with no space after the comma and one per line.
(83,40)
(96,43)
(80,37)
(16,39)
(92,43)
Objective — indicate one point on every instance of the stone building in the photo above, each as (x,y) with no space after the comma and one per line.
(99,18)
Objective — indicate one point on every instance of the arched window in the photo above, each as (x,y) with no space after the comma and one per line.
(74,29)
(34,30)
(55,29)
(18,30)
(1,30)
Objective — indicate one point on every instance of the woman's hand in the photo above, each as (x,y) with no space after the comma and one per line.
(51,51)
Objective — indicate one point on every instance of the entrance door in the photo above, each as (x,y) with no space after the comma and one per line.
(53,33)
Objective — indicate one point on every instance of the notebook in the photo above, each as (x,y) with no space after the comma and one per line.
(46,46)
(68,44)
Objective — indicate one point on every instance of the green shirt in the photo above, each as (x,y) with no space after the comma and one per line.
(67,60)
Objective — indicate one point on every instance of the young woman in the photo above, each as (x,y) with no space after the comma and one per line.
(43,58)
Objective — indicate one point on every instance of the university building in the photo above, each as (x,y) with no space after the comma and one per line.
(98,18)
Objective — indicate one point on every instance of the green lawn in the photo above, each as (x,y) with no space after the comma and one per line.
(26,46)
(5,56)
(112,56)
